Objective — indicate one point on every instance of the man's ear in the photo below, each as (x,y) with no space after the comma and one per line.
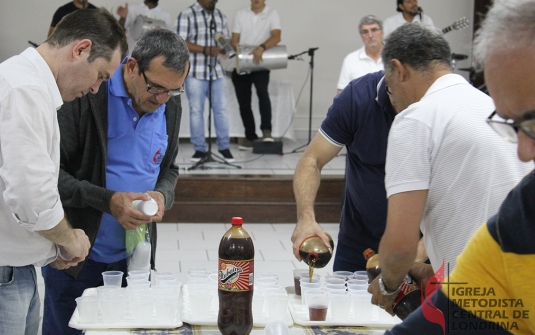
(131,66)
(400,70)
(82,49)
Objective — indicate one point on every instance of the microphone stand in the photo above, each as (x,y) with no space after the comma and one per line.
(311,63)
(211,157)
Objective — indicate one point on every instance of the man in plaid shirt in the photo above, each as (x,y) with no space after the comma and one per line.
(194,27)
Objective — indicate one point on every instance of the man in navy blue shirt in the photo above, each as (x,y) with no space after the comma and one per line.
(359,119)
(117,146)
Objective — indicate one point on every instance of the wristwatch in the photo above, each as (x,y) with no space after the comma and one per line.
(263,46)
(383,289)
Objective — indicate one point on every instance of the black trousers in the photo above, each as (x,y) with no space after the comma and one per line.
(243,87)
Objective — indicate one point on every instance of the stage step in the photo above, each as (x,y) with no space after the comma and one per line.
(256,198)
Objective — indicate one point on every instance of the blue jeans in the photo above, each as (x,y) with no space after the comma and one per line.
(197,92)
(61,290)
(19,300)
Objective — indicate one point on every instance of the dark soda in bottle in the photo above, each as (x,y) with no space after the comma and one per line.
(408,298)
(235,281)
(314,252)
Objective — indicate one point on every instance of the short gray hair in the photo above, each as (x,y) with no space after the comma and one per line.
(161,42)
(510,24)
(417,46)
(370,19)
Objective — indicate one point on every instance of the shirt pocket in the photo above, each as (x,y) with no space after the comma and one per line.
(158,148)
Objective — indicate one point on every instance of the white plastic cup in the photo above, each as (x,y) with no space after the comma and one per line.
(357,287)
(202,271)
(148,207)
(200,305)
(64,254)
(267,275)
(308,291)
(335,280)
(361,306)
(265,281)
(357,281)
(347,274)
(112,278)
(141,307)
(166,309)
(277,306)
(87,309)
(318,304)
(340,304)
(139,274)
(276,327)
(258,306)
(112,308)
(141,257)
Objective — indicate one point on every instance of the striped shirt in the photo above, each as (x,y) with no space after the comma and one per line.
(193,26)
(443,144)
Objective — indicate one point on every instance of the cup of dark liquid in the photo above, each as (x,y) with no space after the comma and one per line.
(297,275)
(317,306)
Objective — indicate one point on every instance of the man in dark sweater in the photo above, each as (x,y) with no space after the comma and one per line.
(66,9)
(117,146)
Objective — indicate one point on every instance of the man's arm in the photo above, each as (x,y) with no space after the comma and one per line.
(74,241)
(306,184)
(272,41)
(399,244)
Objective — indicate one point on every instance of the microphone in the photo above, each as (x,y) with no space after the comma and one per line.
(420,10)
(223,43)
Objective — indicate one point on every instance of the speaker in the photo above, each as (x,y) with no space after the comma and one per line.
(269,148)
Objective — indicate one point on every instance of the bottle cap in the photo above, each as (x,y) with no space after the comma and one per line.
(237,221)
(368,253)
(149,207)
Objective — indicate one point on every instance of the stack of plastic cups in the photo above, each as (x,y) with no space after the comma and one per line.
(200,293)
(112,301)
(166,291)
(139,295)
(269,296)
(360,299)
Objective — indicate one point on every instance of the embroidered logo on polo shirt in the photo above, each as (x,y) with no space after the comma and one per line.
(158,157)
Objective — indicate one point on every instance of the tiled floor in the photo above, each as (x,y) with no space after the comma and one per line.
(258,164)
(182,246)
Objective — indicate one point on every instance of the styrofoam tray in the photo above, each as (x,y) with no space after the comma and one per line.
(127,321)
(379,318)
(211,318)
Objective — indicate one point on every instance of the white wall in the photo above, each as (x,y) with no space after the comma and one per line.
(331,25)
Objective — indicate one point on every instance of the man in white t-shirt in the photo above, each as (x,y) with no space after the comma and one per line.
(366,59)
(409,12)
(150,9)
(447,171)
(258,25)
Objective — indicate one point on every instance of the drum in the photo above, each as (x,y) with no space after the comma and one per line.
(272,59)
(143,23)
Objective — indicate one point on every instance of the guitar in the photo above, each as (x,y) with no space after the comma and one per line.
(457,25)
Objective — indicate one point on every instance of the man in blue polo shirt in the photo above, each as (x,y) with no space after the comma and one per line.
(359,119)
(117,146)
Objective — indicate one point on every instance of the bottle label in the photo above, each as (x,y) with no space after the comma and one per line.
(407,287)
(236,276)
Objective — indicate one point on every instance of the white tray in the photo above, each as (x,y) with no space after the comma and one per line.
(379,318)
(127,322)
(211,318)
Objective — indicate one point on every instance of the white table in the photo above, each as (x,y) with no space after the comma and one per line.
(282,109)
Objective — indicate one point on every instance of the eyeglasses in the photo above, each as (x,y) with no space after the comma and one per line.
(155,90)
(388,90)
(509,129)
(373,31)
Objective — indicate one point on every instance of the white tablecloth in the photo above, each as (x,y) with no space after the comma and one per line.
(282,107)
